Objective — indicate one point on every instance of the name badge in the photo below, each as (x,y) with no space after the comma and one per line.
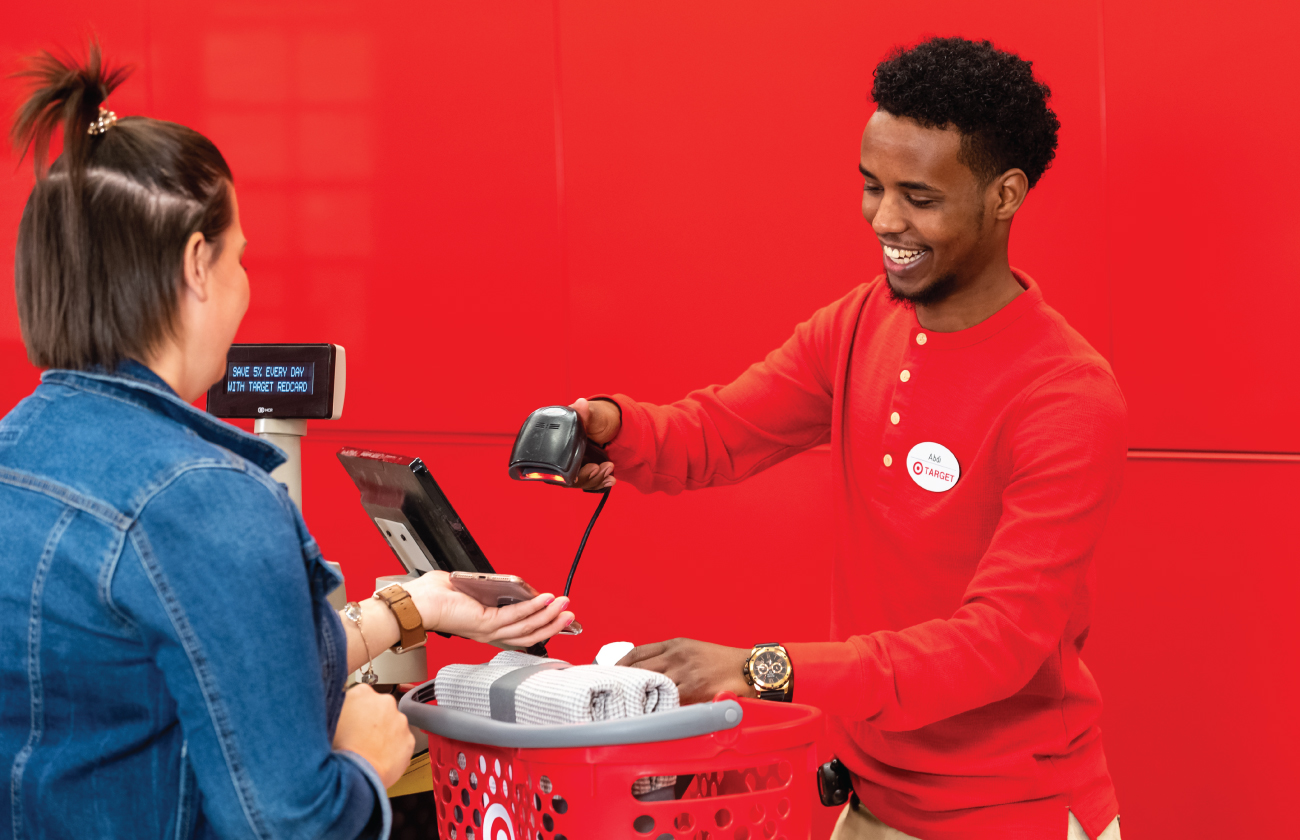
(933,467)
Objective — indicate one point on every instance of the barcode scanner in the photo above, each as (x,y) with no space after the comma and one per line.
(551,447)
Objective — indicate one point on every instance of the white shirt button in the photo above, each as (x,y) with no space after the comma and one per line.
(920,338)
(905,375)
(893,418)
(889,460)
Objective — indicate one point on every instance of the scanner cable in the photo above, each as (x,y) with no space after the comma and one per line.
(604,497)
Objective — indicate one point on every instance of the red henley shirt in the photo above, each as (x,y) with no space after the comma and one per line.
(953,679)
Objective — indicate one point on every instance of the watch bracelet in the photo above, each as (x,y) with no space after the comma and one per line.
(352,611)
(786,693)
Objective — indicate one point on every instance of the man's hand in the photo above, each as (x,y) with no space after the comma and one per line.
(602,420)
(699,669)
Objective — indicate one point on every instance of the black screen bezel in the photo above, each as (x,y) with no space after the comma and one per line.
(403,490)
(318,405)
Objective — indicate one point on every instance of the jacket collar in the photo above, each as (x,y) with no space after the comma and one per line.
(137,384)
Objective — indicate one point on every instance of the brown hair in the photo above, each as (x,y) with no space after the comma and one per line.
(101,242)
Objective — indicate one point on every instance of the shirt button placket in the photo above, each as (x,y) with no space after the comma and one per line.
(895,418)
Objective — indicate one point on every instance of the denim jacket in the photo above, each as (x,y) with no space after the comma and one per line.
(171,667)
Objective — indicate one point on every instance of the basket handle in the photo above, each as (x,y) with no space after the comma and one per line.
(686,722)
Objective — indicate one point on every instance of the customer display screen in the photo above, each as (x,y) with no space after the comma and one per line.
(270,378)
(289,381)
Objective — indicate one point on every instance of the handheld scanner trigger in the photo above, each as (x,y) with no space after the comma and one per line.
(552,446)
(594,453)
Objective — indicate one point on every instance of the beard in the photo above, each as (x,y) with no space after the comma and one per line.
(943,286)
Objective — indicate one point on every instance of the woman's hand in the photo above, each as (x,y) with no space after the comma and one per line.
(371,727)
(518,625)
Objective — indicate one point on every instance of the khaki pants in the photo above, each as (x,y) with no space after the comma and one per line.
(860,824)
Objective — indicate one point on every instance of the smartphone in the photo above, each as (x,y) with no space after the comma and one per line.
(493,590)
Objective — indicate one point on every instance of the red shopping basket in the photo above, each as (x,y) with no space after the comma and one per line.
(744,770)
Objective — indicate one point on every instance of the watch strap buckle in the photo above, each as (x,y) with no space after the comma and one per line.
(409,620)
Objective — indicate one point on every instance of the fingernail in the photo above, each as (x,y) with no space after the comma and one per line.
(565,605)
(570,621)
(550,599)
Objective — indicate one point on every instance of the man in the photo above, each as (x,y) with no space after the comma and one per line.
(977,446)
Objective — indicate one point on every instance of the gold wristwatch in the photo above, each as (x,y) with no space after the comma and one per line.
(769,671)
(408,618)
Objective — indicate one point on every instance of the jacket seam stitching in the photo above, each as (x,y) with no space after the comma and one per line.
(330,667)
(269,484)
(35,686)
(165,479)
(106,574)
(199,664)
(97,508)
(182,809)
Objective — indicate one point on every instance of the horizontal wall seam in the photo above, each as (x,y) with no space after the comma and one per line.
(1197,455)
(347,436)
(324,434)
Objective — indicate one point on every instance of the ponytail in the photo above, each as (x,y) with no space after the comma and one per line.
(69,95)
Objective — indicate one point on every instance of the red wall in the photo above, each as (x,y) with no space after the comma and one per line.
(498,206)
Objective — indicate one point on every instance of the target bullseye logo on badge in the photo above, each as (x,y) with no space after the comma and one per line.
(933,467)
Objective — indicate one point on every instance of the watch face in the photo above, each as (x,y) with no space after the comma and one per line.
(769,668)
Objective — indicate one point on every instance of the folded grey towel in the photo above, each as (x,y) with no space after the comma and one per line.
(569,695)
(643,691)
(467,688)
(520,688)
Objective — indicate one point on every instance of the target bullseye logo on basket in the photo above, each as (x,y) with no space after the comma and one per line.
(497,824)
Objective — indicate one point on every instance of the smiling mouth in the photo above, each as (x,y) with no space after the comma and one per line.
(902,256)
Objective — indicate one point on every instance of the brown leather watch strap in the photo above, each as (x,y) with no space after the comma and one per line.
(408,617)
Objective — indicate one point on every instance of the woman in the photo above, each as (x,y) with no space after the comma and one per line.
(171,665)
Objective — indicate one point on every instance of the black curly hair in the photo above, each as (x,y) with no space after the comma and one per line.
(990,96)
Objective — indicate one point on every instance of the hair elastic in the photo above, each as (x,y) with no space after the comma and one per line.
(106,120)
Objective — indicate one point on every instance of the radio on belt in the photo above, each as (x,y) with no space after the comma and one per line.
(282,386)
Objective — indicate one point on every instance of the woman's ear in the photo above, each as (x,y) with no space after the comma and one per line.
(197,260)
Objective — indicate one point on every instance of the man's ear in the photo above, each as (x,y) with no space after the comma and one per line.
(1009,190)
(197,259)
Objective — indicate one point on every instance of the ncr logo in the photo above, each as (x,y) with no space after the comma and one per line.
(261,409)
